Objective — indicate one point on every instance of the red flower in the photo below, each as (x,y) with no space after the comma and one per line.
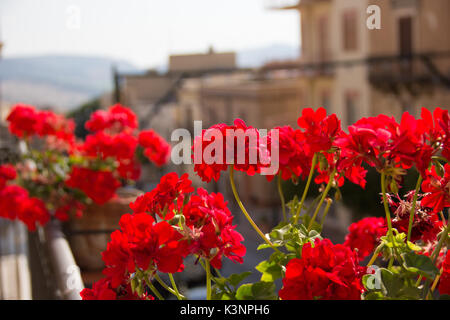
(365,235)
(145,244)
(325,271)
(159,201)
(32,211)
(118,259)
(221,145)
(102,290)
(100,186)
(320,130)
(156,149)
(119,147)
(23,120)
(117,119)
(444,282)
(211,232)
(295,156)
(7,172)
(11,198)
(437,190)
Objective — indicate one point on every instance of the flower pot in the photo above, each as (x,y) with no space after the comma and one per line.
(89,235)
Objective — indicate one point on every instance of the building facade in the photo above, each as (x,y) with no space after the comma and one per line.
(355,70)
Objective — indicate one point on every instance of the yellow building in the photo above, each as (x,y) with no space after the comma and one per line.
(357,70)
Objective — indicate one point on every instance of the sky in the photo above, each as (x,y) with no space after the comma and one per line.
(143,32)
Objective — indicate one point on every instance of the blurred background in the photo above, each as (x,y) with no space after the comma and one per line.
(177,61)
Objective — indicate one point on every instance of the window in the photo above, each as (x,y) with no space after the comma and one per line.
(351,107)
(349,29)
(405,36)
(323,38)
(325,97)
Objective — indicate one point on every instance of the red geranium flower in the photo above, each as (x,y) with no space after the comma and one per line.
(365,235)
(32,211)
(23,120)
(325,271)
(160,200)
(145,244)
(10,199)
(100,186)
(156,149)
(212,234)
(444,281)
(7,172)
(437,190)
(222,145)
(320,130)
(117,119)
(102,290)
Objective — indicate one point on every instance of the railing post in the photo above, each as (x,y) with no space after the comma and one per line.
(66,272)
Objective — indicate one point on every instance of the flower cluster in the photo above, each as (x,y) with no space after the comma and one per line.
(364,235)
(156,149)
(168,224)
(236,144)
(324,271)
(59,175)
(174,220)
(25,122)
(15,202)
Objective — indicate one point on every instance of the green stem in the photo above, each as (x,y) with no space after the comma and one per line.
(174,286)
(208,279)
(246,214)
(324,195)
(165,286)
(280,192)
(438,248)
(436,251)
(374,257)
(327,208)
(154,290)
(413,209)
(305,192)
(386,207)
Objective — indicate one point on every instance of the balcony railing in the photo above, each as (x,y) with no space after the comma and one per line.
(423,69)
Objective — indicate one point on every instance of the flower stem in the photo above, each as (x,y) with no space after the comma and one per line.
(283,202)
(208,279)
(324,195)
(246,214)
(174,286)
(165,286)
(305,192)
(386,207)
(327,208)
(374,257)
(154,290)
(436,280)
(413,208)
(438,247)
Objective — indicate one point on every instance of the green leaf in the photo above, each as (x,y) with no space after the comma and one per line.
(391,283)
(420,264)
(270,270)
(257,291)
(237,278)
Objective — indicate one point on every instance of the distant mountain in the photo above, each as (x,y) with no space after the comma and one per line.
(62,82)
(65,82)
(253,58)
